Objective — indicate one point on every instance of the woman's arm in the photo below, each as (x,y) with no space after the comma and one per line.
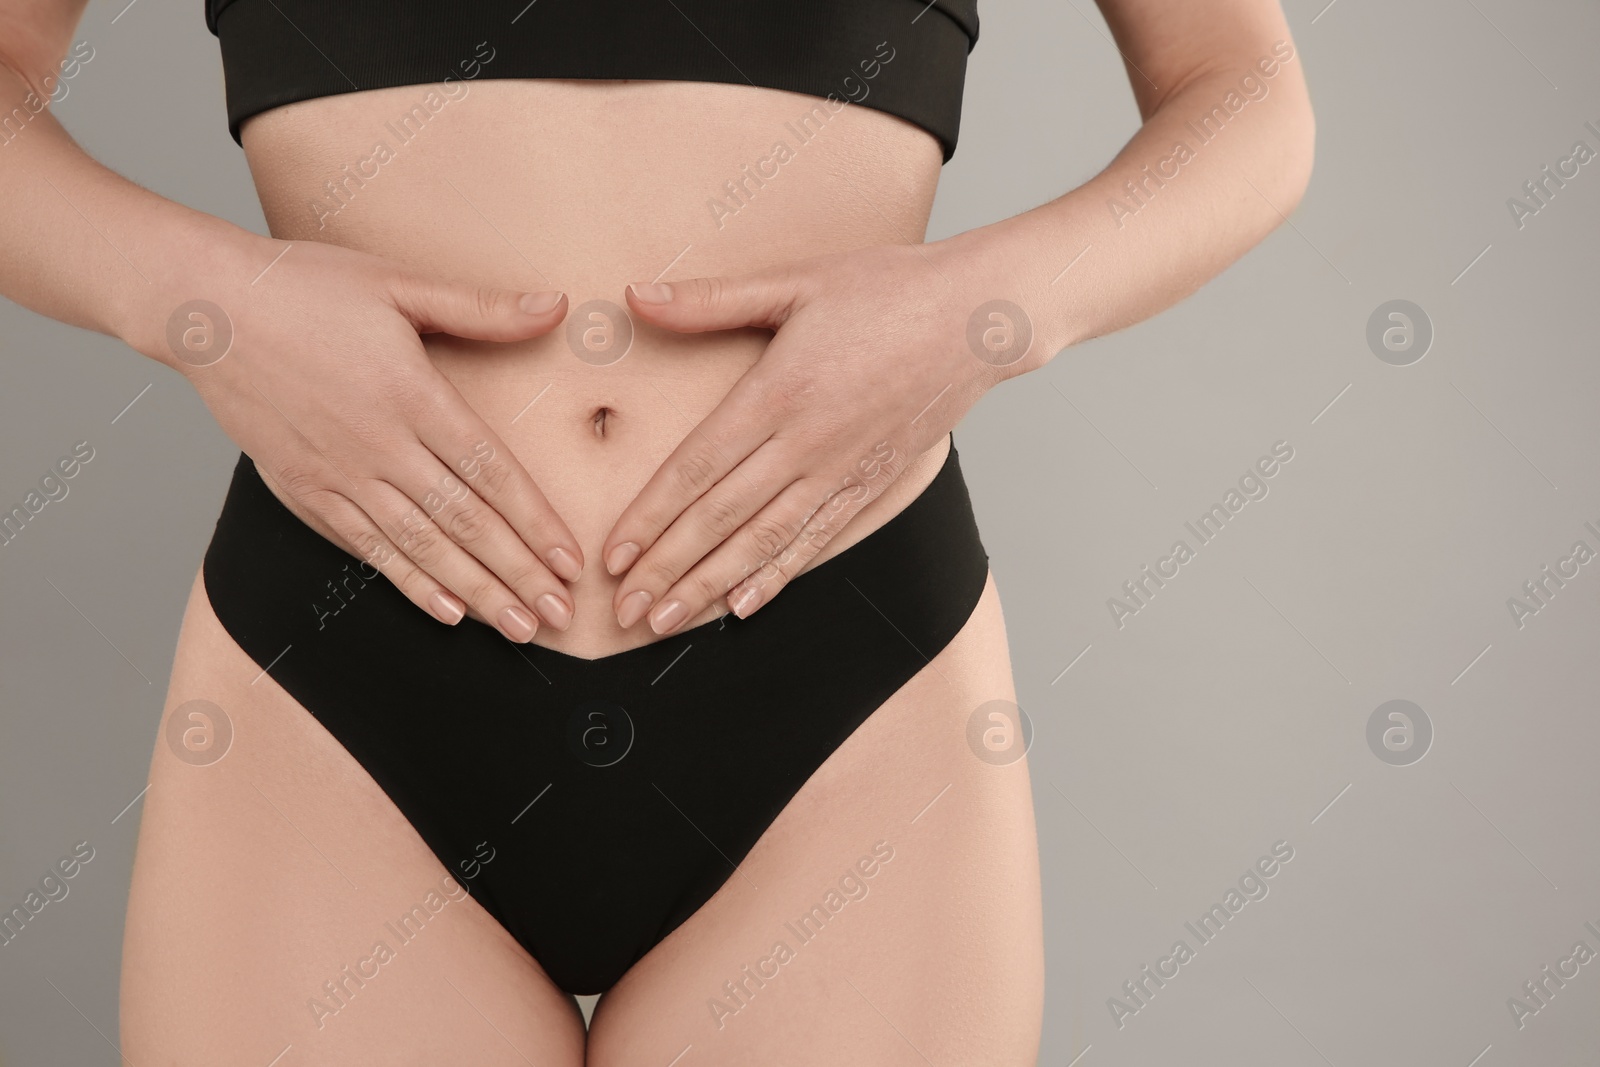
(1222,159)
(307,354)
(878,353)
(59,260)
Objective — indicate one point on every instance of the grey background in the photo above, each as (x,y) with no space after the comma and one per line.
(1228,714)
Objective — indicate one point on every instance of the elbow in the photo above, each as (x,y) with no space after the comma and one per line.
(1296,156)
(1305,154)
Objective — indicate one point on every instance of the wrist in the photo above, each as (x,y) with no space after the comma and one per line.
(1000,275)
(189,259)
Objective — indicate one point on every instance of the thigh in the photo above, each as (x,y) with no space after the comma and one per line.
(282,907)
(891,915)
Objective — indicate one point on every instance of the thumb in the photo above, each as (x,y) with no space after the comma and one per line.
(696,305)
(482,313)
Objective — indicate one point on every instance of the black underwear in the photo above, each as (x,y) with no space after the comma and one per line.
(592,806)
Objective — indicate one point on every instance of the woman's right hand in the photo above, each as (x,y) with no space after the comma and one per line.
(317,371)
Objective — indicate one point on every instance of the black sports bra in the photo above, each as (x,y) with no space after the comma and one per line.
(905,57)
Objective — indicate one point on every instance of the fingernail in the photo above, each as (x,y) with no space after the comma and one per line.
(539,303)
(622,557)
(518,625)
(565,564)
(446,609)
(746,602)
(633,607)
(669,616)
(553,611)
(652,292)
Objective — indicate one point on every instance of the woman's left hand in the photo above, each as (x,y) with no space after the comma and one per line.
(870,365)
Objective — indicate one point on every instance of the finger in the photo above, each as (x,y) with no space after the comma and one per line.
(763,298)
(766,550)
(703,459)
(431,549)
(825,524)
(357,530)
(477,455)
(469,521)
(337,517)
(483,313)
(717,515)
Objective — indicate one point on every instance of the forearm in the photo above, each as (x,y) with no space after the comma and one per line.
(88,247)
(1190,193)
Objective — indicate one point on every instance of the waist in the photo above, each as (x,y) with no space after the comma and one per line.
(585,187)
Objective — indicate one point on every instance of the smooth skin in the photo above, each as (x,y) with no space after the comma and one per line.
(387,352)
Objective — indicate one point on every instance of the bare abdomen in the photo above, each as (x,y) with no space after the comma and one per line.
(585,187)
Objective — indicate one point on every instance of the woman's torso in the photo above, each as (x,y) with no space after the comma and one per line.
(585,186)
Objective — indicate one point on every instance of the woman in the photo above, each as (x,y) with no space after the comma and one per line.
(582,327)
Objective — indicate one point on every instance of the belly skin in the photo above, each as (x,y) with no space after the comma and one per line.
(585,186)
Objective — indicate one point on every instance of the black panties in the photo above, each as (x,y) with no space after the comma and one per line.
(592,806)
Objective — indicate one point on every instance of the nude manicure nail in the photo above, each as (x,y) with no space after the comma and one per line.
(746,602)
(622,557)
(539,303)
(668,616)
(445,609)
(553,611)
(652,293)
(633,607)
(518,625)
(565,564)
